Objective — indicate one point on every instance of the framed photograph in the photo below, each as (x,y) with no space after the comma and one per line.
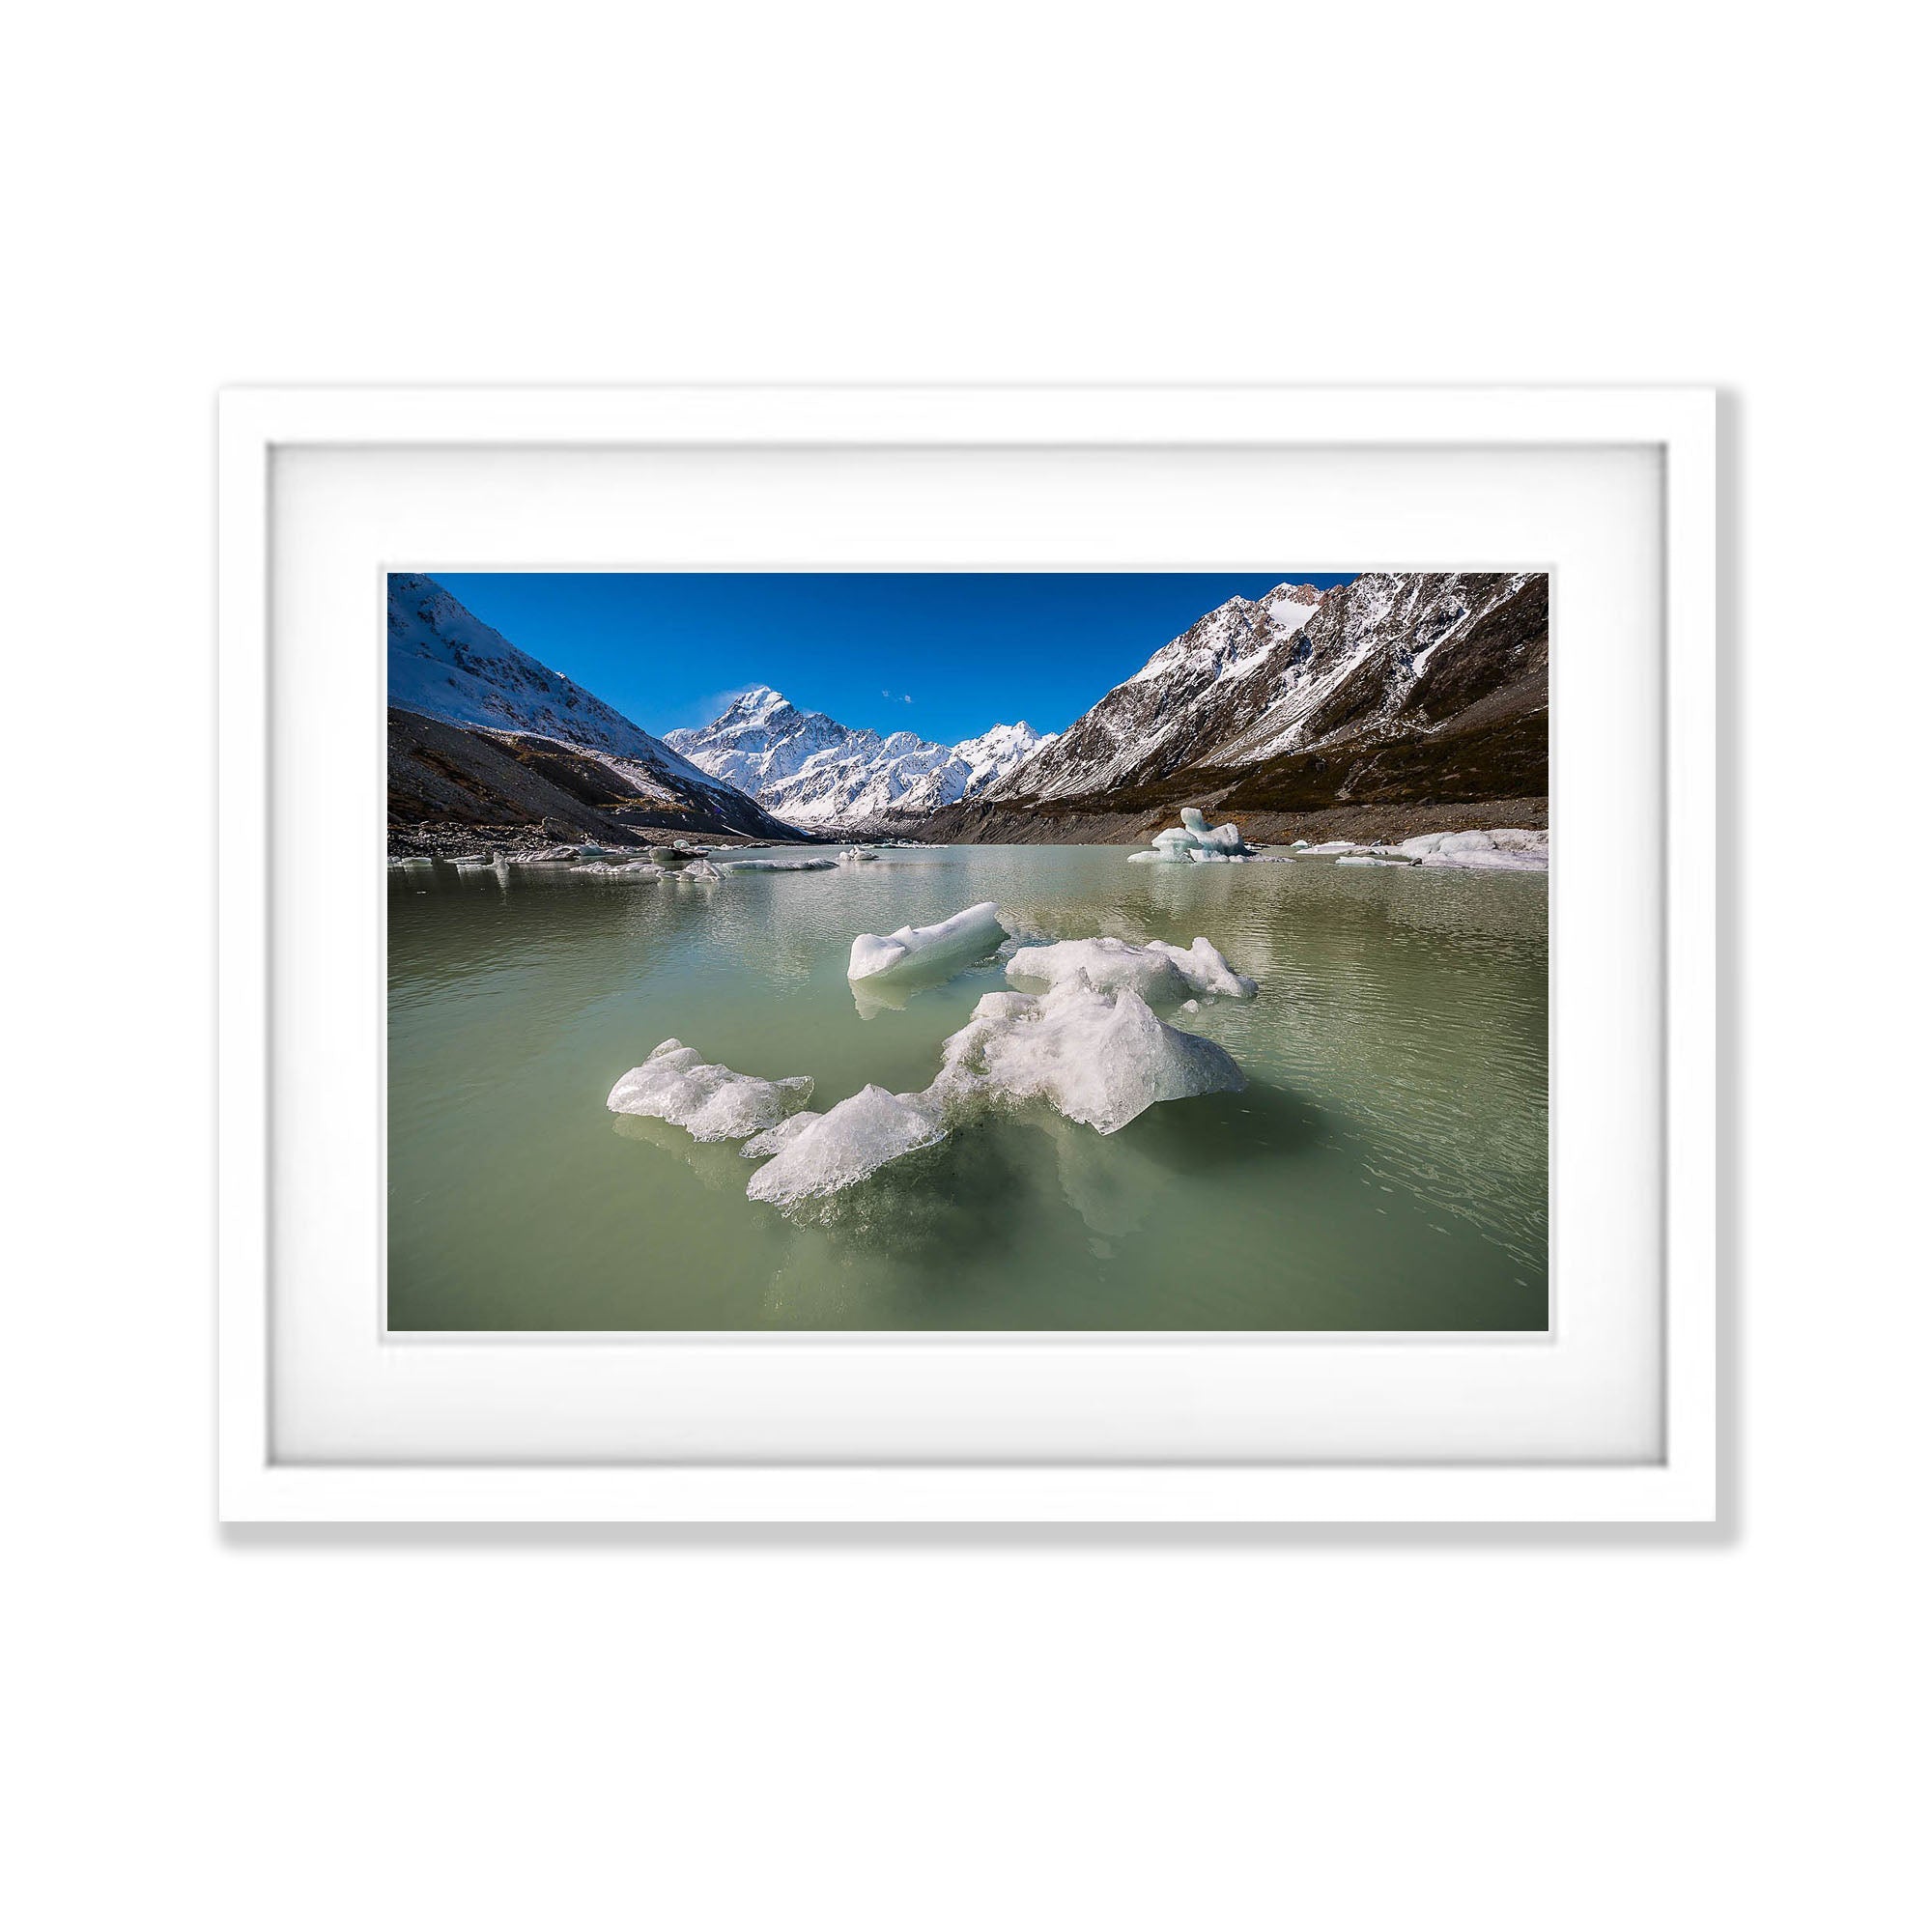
(968,955)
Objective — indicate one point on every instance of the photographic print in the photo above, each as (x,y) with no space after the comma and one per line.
(1136,952)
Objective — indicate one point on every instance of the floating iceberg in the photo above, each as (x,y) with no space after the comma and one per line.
(701,869)
(774,1140)
(711,1103)
(1101,966)
(1101,1058)
(1211,837)
(856,855)
(858,1137)
(1161,974)
(1371,859)
(1194,839)
(545,855)
(778,865)
(1206,971)
(1088,1045)
(917,952)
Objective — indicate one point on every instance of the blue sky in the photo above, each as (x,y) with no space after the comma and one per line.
(946,656)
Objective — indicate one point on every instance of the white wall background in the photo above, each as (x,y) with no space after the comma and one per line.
(588,1730)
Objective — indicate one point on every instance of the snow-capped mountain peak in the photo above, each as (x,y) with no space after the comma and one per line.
(994,753)
(814,772)
(756,706)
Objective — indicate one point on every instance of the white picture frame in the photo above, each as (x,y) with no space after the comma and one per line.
(387,1479)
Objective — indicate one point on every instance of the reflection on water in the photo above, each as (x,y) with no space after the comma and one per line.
(1386,1167)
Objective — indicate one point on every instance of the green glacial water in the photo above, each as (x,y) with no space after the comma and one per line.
(1386,1167)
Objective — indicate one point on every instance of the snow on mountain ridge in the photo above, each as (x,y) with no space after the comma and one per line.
(814,772)
(1254,679)
(444,661)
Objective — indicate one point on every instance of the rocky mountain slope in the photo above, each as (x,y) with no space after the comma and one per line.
(815,772)
(483,735)
(1410,695)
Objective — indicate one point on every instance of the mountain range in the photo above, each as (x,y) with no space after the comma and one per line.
(1390,701)
(1394,703)
(813,772)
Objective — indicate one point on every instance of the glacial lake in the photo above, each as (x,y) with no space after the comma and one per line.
(1387,1167)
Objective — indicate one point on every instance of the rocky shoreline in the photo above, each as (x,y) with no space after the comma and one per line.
(1358,824)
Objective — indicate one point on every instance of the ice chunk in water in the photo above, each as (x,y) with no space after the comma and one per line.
(1161,974)
(1103,965)
(701,869)
(1211,837)
(915,952)
(773,1138)
(1206,969)
(1507,849)
(778,865)
(1161,855)
(711,1103)
(1176,838)
(858,1137)
(856,855)
(1100,1059)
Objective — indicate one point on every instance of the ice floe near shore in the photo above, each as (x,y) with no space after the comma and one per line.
(1508,848)
(1505,849)
(1195,839)
(917,950)
(778,865)
(710,1102)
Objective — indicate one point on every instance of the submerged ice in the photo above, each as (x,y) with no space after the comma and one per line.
(833,1149)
